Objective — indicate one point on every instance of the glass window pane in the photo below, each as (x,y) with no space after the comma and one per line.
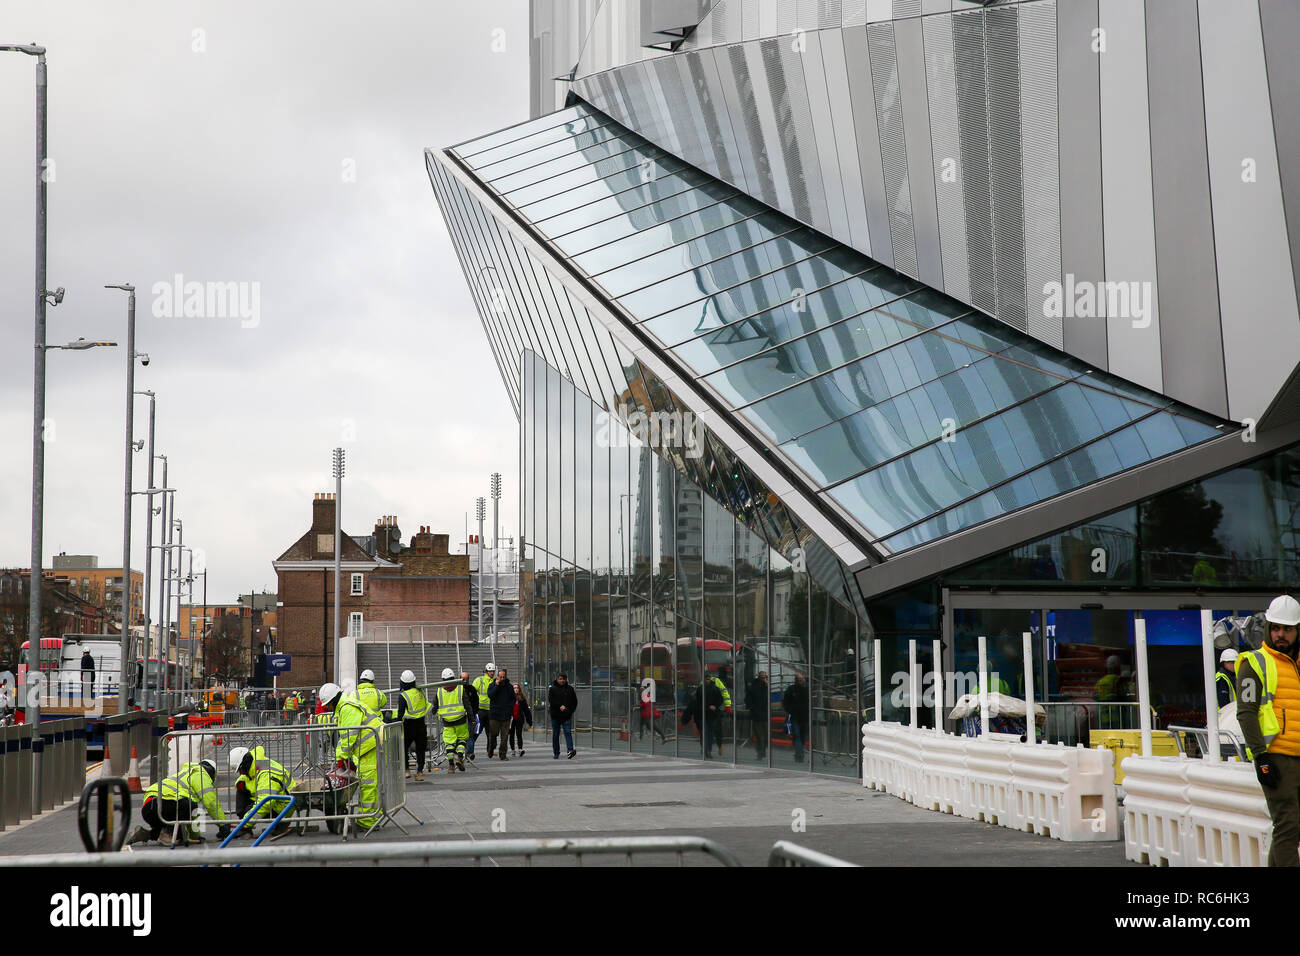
(632,194)
(626,222)
(788,647)
(753,664)
(630,184)
(529,135)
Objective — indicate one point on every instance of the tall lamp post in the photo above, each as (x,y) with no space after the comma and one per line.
(126,493)
(480,511)
(340,460)
(38,379)
(496,501)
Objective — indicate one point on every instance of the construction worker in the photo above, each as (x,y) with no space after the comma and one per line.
(1225,678)
(412,707)
(454,712)
(359,730)
(720,682)
(291,707)
(1268,681)
(369,694)
(480,697)
(175,799)
(257,777)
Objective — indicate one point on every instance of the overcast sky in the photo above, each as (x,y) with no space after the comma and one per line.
(279,144)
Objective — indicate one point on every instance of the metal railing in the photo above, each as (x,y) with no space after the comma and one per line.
(415,632)
(1230,745)
(1070,721)
(790,854)
(414,853)
(58,749)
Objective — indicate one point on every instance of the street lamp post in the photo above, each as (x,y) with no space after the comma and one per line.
(480,511)
(148,527)
(126,493)
(496,501)
(340,461)
(38,384)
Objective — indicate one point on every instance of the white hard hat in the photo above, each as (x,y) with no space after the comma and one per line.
(237,755)
(210,767)
(408,677)
(1284,610)
(367,674)
(490,668)
(328,692)
(448,673)
(1227,655)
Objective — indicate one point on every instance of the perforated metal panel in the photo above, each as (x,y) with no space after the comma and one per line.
(787,16)
(1006,184)
(748,132)
(1041,162)
(906,8)
(972,134)
(815,135)
(893,148)
(941,88)
(749,25)
(829,14)
(854,13)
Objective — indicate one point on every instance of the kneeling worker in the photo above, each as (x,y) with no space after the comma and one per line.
(174,800)
(454,713)
(359,730)
(258,777)
(412,706)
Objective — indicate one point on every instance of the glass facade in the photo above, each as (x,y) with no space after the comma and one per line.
(915,415)
(683,630)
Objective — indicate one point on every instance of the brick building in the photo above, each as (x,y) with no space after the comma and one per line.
(382,582)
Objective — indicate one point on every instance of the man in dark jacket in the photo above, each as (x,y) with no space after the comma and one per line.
(87,675)
(501,709)
(759,698)
(563,702)
(795,702)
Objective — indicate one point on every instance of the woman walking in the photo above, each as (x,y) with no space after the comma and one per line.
(522,714)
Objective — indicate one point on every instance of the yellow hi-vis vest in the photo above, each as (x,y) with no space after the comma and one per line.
(1221,677)
(481,684)
(417,705)
(1283,686)
(196,780)
(351,712)
(451,705)
(371,696)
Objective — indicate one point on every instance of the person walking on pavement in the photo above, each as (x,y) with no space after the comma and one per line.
(1225,678)
(481,685)
(649,714)
(175,799)
(472,704)
(412,706)
(759,698)
(1268,710)
(795,702)
(369,694)
(455,714)
(722,716)
(501,710)
(709,709)
(359,730)
(520,714)
(563,702)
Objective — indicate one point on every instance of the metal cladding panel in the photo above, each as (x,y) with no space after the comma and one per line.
(1006,185)
(786,17)
(687,103)
(1133,337)
(869,162)
(829,14)
(910,47)
(778,184)
(941,89)
(893,147)
(1040,161)
(738,99)
(1191,349)
(1079,132)
(749,21)
(846,141)
(973,135)
(808,71)
(728,165)
(854,13)
(1281,22)
(675,115)
(1261,328)
(789,126)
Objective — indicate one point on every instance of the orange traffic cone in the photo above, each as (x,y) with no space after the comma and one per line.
(622,732)
(133,774)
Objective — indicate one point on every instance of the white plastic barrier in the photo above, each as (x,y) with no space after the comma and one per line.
(1065,792)
(1227,822)
(1155,809)
(1062,792)
(988,782)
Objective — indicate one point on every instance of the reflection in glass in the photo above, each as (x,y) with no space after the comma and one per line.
(788,648)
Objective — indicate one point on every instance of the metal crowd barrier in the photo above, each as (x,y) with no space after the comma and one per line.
(307,753)
(1230,745)
(61,748)
(790,854)
(412,853)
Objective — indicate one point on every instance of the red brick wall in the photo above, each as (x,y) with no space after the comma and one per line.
(306,621)
(418,599)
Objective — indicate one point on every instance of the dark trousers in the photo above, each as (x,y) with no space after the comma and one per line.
(415,735)
(556,726)
(159,814)
(498,732)
(1284,807)
(517,733)
(761,726)
(646,724)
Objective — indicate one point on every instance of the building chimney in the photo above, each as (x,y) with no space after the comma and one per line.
(322,513)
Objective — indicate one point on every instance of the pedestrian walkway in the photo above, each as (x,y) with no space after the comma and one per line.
(745,809)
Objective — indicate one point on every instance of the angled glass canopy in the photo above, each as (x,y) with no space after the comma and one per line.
(915,414)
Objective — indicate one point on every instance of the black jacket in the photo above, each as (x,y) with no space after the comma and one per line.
(559,696)
(712,698)
(759,698)
(795,702)
(525,712)
(501,700)
(471,697)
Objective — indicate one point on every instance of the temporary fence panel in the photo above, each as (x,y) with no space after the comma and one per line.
(1065,792)
(1155,808)
(1227,821)
(790,854)
(988,783)
(943,775)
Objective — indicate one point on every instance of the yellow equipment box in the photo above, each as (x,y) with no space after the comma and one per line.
(1125,743)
